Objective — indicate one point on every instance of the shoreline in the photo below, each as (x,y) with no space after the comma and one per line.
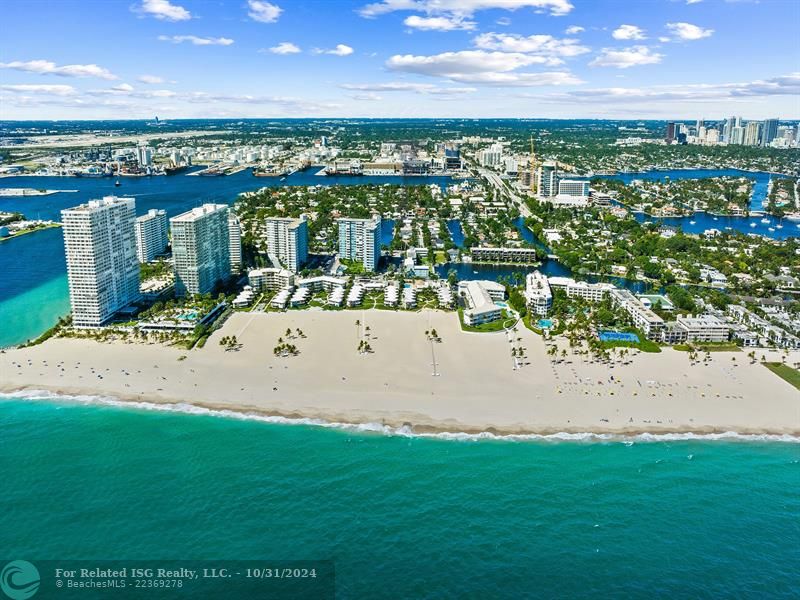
(390,427)
(476,387)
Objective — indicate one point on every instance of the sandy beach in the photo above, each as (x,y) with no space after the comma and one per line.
(476,386)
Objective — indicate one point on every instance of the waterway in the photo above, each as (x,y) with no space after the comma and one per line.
(701,222)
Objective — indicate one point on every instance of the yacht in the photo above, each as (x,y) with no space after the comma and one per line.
(752,224)
(765,221)
(691,222)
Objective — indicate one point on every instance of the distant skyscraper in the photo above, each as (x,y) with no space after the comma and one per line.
(700,123)
(102,269)
(151,235)
(737,135)
(769,131)
(235,241)
(201,249)
(548,179)
(287,240)
(144,155)
(752,133)
(671,132)
(360,240)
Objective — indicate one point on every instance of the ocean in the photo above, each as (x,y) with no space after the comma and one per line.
(404,516)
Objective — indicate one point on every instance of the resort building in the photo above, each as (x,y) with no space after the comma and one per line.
(281,299)
(538,295)
(591,292)
(102,266)
(201,249)
(409,297)
(270,279)
(336,296)
(235,241)
(300,297)
(641,316)
(444,295)
(360,241)
(356,295)
(245,297)
(152,236)
(498,255)
(322,282)
(287,241)
(391,294)
(480,297)
(705,328)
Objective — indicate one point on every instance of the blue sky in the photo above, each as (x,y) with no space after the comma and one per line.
(400,58)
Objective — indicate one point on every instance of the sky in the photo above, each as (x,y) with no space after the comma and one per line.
(614,59)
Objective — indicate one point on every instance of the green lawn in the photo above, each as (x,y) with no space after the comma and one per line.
(785,372)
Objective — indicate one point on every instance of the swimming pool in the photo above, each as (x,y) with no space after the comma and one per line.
(618,336)
(545,324)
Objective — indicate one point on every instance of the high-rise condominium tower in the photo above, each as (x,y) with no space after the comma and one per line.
(287,241)
(201,249)
(151,235)
(102,267)
(360,240)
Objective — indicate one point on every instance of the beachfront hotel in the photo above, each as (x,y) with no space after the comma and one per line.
(102,266)
(287,241)
(538,295)
(480,298)
(151,235)
(200,249)
(360,240)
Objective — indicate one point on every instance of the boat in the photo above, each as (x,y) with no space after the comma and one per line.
(771,229)
(282,178)
(795,216)
(175,170)
(117,183)
(752,224)
(779,226)
(692,222)
(765,221)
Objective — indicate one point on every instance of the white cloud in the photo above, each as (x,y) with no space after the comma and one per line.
(51,90)
(263,12)
(150,79)
(503,21)
(628,32)
(439,23)
(463,8)
(284,48)
(447,64)
(664,39)
(339,50)
(786,85)
(481,67)
(626,57)
(687,31)
(196,40)
(693,1)
(573,29)
(164,10)
(123,87)
(368,97)
(46,67)
(545,45)
(406,86)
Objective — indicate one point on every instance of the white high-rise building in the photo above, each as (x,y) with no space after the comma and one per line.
(151,235)
(102,268)
(360,240)
(144,154)
(200,249)
(752,134)
(235,241)
(737,135)
(548,180)
(491,156)
(287,241)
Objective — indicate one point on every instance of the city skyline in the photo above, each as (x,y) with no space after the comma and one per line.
(401,58)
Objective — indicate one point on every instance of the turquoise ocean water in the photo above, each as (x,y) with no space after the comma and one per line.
(403,516)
